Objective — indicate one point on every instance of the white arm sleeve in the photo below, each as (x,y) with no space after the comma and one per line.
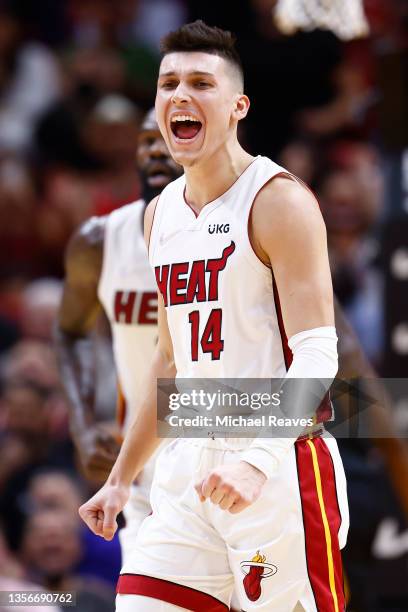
(314,356)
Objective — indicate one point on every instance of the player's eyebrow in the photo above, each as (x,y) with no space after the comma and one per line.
(192,73)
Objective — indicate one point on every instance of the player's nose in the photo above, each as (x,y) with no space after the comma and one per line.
(180,95)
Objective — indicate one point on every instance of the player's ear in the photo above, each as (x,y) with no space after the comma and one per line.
(241,107)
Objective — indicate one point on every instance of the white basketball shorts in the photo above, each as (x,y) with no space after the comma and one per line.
(281,550)
(138,507)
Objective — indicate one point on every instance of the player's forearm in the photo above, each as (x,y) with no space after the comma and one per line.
(313,368)
(76,362)
(141,440)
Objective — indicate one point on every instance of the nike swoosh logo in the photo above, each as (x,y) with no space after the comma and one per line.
(389,543)
(164,238)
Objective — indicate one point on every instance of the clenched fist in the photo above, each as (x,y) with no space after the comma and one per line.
(233,487)
(100,512)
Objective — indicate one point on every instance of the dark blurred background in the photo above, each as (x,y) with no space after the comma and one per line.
(75,79)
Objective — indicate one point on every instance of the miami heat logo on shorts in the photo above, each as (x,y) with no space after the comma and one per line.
(255,571)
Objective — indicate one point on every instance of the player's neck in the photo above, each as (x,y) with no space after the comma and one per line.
(208,180)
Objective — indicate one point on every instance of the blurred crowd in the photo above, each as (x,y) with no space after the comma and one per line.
(76,77)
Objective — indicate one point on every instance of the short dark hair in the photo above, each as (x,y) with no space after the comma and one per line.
(198,36)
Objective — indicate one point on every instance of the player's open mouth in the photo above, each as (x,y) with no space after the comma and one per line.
(185,127)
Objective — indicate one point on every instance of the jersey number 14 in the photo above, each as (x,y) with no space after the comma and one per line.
(211,341)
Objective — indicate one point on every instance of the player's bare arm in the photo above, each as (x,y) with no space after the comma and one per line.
(141,441)
(288,234)
(96,445)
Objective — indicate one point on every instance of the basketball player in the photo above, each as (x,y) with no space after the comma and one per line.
(240,256)
(107,268)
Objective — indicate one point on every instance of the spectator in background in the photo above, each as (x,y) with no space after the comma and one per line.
(40,302)
(110,133)
(350,194)
(102,24)
(32,361)
(50,551)
(88,75)
(350,189)
(53,489)
(69,169)
(27,416)
(153,19)
(300,157)
(32,311)
(18,202)
(29,81)
(105,176)
(67,197)
(13,579)
(33,434)
(9,565)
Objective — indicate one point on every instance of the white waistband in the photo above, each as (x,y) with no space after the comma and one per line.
(236,444)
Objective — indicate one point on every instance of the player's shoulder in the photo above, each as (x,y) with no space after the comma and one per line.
(150,208)
(127,211)
(286,192)
(149,217)
(286,198)
(285,211)
(89,234)
(85,247)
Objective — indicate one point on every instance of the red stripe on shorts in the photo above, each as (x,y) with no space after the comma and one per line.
(176,594)
(321,518)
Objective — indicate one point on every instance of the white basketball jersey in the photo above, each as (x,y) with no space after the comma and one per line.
(222,302)
(128,293)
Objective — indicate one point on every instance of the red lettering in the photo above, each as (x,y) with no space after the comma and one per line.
(178,282)
(161,280)
(214,267)
(194,320)
(148,309)
(185,288)
(196,283)
(211,341)
(123,306)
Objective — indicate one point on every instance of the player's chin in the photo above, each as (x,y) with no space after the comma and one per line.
(189,156)
(186,151)
(186,158)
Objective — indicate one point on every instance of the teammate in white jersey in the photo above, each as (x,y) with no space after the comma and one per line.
(108,268)
(241,263)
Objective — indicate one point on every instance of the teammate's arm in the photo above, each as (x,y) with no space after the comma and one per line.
(74,340)
(101,510)
(380,422)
